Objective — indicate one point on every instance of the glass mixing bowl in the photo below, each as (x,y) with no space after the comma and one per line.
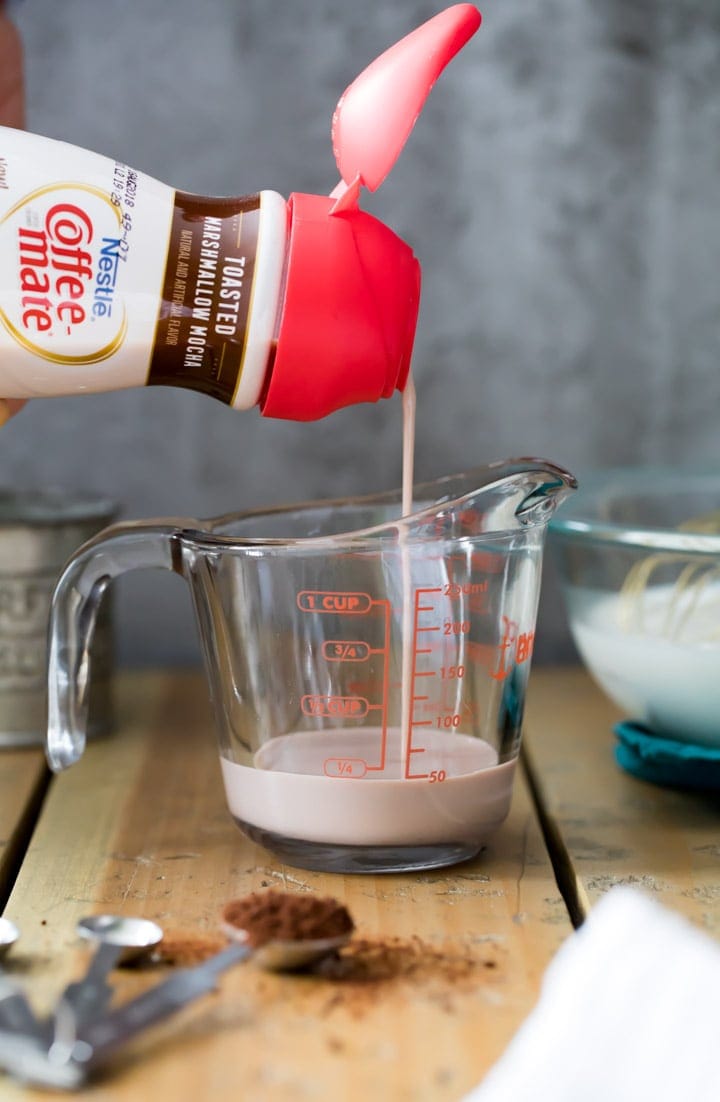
(638,552)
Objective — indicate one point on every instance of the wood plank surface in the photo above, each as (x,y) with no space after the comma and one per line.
(611,828)
(446,965)
(23,782)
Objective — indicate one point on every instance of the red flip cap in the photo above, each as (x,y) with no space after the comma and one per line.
(349,314)
(353,286)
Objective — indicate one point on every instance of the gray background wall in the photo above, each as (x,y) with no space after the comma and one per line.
(562,190)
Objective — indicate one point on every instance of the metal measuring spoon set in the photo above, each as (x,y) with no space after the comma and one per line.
(64,1050)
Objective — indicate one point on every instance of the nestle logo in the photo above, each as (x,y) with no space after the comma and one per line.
(106,277)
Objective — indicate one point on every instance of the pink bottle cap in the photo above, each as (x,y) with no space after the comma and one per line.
(353,286)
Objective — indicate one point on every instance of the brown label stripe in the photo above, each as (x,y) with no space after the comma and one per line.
(203,318)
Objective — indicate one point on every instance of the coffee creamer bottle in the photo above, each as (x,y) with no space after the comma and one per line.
(110,279)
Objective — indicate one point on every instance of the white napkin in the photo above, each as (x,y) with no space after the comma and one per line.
(629,1011)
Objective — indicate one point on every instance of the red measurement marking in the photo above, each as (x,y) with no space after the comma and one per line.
(465,589)
(345,707)
(328,600)
(349,768)
(350,650)
(386,686)
(420,595)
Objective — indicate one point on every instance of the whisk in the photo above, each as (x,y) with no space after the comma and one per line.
(675,610)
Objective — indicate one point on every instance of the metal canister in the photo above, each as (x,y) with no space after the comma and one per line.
(39,530)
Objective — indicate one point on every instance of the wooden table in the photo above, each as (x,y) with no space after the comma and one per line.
(448,964)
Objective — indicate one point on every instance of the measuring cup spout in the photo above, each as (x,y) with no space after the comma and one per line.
(540,486)
(502,496)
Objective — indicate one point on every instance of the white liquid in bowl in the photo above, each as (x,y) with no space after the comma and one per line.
(669,682)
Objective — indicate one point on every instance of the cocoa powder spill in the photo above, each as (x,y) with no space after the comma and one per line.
(365,971)
(284,916)
(186,948)
(378,960)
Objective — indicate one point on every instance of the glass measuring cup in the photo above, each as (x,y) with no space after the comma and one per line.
(367,672)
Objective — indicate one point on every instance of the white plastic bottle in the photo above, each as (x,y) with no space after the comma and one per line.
(110,279)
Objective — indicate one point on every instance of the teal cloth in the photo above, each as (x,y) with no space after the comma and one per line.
(666,761)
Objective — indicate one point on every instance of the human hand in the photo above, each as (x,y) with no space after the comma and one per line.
(12,99)
(12,113)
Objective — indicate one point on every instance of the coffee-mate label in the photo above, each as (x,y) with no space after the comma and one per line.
(82,255)
(110,279)
(68,239)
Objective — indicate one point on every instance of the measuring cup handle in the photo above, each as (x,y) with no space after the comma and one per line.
(73,613)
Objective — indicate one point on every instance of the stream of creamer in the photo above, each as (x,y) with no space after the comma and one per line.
(406,664)
(408,438)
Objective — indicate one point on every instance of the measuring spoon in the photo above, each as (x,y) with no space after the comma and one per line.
(103,1036)
(9,934)
(117,938)
(16,1014)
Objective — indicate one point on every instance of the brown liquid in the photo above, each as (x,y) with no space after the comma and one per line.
(286,791)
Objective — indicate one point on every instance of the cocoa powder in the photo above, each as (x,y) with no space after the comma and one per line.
(374,961)
(285,916)
(367,970)
(186,948)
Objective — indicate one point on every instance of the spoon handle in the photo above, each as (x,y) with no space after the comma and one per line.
(16,1014)
(26,1059)
(106,1034)
(85,998)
